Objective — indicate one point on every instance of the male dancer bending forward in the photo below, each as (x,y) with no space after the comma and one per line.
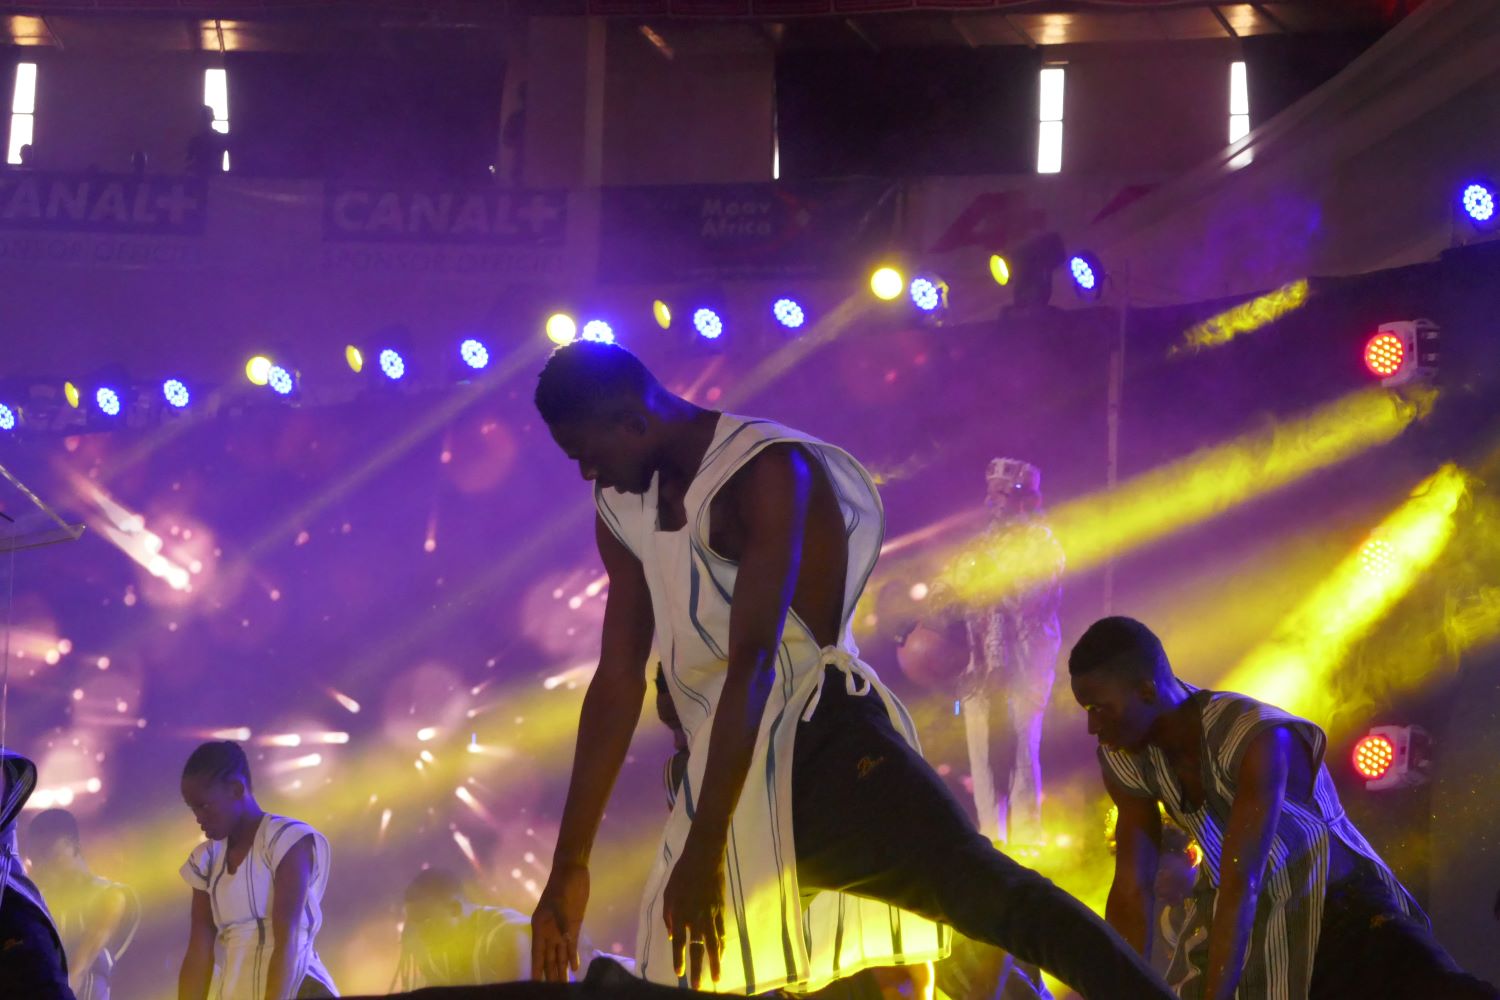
(1290,900)
(808,822)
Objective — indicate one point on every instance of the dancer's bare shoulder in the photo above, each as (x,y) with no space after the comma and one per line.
(787,488)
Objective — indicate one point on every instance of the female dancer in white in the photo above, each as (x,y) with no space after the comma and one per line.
(258,884)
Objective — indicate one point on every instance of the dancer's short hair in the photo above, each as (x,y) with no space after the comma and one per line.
(585,380)
(218,760)
(1120,645)
(49,827)
(434,884)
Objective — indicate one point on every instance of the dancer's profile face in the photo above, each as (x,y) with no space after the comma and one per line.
(612,453)
(216,803)
(1118,706)
(55,854)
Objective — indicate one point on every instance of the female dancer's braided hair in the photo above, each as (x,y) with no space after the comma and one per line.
(218,760)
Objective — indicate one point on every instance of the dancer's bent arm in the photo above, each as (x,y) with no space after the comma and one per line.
(289,884)
(197,971)
(770,497)
(1132,895)
(611,709)
(101,930)
(1258,798)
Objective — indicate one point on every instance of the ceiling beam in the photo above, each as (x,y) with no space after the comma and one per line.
(861,34)
(963,32)
(52,33)
(1020,32)
(1223,21)
(1263,11)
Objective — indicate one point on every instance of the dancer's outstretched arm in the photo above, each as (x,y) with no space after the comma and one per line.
(611,709)
(1132,895)
(1258,798)
(772,494)
(197,970)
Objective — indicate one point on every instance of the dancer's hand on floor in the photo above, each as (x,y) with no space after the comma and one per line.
(693,907)
(556,922)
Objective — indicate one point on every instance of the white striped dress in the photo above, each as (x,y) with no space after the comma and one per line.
(773,940)
(1289,914)
(242,908)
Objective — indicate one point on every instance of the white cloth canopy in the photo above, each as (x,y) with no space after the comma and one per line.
(1360,174)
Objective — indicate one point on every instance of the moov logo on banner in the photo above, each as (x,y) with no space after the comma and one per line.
(726,232)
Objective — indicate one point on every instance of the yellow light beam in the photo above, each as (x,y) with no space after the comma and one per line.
(405,637)
(524,358)
(1244,318)
(1292,668)
(824,331)
(118,464)
(1211,614)
(231,571)
(1102,526)
(146,855)
(1475,622)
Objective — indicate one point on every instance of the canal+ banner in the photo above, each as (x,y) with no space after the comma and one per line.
(101,203)
(235,224)
(504,232)
(49,218)
(491,215)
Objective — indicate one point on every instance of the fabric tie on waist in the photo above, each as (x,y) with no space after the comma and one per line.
(855,683)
